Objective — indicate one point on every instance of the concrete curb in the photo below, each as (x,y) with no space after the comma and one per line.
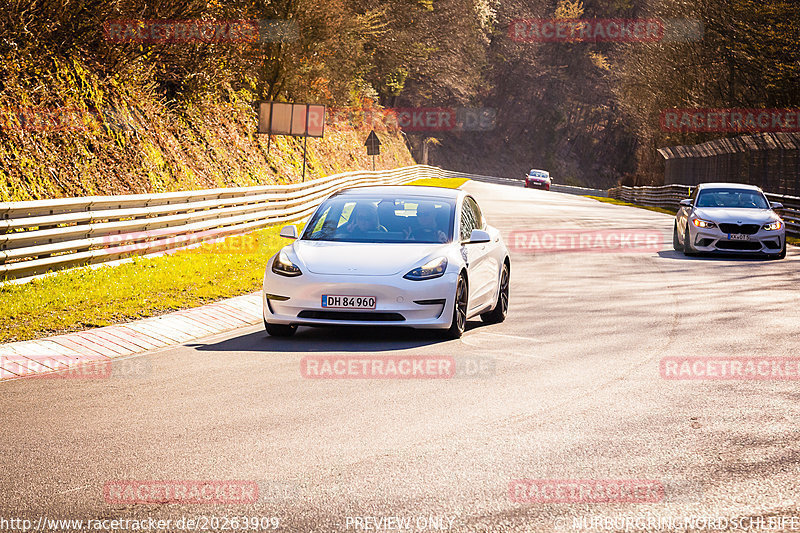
(101,345)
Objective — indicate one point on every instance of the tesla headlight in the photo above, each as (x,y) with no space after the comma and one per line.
(703,223)
(430,270)
(775,225)
(282,266)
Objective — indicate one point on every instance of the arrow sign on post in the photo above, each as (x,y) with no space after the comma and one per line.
(373,146)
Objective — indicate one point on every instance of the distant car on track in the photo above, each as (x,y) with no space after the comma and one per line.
(729,218)
(391,256)
(538,179)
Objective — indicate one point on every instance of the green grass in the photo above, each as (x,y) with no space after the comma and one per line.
(450,183)
(84,298)
(620,202)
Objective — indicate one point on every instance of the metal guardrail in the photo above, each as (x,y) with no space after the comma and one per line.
(669,196)
(555,187)
(43,235)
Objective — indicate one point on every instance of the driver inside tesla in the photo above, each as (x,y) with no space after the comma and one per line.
(428,229)
(365,220)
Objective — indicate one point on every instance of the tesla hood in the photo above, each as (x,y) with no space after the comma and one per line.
(364,259)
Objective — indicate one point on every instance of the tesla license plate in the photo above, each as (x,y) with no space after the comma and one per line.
(348,302)
(738,237)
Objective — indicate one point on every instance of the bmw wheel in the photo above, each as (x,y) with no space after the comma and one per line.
(676,243)
(688,249)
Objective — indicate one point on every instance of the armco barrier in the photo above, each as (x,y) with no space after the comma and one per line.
(555,187)
(669,196)
(43,235)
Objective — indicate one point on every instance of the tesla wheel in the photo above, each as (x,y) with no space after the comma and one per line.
(279,330)
(676,243)
(498,314)
(459,323)
(687,242)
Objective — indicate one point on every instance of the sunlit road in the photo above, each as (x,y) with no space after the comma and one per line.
(572,392)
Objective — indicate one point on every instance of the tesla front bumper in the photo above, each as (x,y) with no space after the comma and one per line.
(399,302)
(715,240)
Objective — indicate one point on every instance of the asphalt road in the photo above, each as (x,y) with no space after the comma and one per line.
(570,389)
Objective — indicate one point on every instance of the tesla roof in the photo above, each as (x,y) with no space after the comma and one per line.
(393,191)
(722,185)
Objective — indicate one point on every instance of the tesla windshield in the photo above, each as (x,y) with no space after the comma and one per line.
(385,220)
(738,198)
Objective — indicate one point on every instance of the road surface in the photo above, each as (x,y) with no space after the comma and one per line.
(570,388)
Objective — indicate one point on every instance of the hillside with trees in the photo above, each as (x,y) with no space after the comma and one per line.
(168,115)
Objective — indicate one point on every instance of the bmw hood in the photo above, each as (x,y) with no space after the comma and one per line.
(727,215)
(362,259)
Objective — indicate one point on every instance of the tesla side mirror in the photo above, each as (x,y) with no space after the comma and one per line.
(289,232)
(776,205)
(478,236)
(686,203)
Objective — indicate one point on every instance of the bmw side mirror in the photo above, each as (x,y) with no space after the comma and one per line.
(686,203)
(776,205)
(479,236)
(289,232)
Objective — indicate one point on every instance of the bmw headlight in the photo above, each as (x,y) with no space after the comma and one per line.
(430,270)
(700,223)
(775,225)
(282,266)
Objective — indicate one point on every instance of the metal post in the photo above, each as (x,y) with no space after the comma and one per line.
(305,142)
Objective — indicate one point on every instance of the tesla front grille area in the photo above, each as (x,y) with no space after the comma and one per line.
(352,315)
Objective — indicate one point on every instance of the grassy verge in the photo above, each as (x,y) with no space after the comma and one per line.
(620,202)
(82,298)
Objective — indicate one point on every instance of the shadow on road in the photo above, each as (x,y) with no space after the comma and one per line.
(338,339)
(672,254)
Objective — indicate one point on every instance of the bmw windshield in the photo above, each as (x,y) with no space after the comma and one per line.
(732,198)
(414,219)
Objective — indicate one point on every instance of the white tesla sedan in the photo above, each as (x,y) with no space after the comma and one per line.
(729,217)
(413,256)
